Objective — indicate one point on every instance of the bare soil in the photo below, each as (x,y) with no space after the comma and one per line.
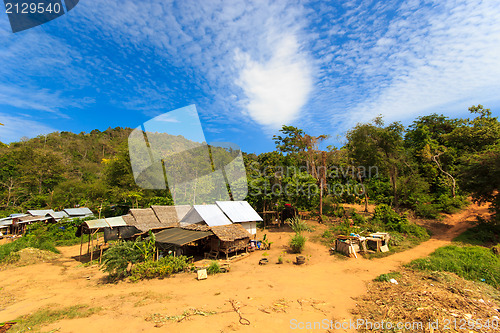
(268,296)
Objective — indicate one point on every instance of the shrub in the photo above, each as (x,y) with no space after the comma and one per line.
(297,224)
(162,268)
(297,243)
(214,268)
(427,211)
(357,219)
(117,258)
(451,205)
(36,240)
(280,259)
(470,262)
(389,220)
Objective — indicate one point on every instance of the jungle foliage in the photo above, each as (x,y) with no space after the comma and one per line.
(429,167)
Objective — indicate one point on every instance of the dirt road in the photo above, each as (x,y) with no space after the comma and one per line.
(271,297)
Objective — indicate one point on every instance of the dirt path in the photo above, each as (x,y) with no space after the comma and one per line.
(270,296)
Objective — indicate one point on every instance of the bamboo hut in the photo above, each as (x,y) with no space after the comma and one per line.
(170,215)
(145,219)
(230,238)
(182,241)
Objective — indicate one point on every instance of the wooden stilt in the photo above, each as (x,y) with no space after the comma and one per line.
(81,244)
(100,256)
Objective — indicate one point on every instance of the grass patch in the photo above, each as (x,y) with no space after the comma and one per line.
(481,234)
(7,251)
(45,316)
(474,263)
(44,237)
(214,268)
(387,277)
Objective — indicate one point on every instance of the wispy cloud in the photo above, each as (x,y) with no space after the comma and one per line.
(278,88)
(313,64)
(406,59)
(17,127)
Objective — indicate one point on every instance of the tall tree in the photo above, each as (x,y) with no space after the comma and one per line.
(374,144)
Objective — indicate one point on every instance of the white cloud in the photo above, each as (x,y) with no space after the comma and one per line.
(17,127)
(278,88)
(439,58)
(166,118)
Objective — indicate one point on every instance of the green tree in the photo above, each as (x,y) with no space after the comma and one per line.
(374,144)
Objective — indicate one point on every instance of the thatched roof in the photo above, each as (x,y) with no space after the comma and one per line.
(196,226)
(145,220)
(170,215)
(230,232)
(129,219)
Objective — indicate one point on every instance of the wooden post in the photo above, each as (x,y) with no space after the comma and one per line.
(81,244)
(92,247)
(100,256)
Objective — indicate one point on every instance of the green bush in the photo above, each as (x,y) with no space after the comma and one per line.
(297,243)
(357,219)
(427,211)
(117,258)
(297,224)
(36,240)
(214,268)
(386,218)
(475,263)
(333,209)
(162,268)
(450,205)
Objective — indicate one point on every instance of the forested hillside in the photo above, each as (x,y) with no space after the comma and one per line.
(431,166)
(64,169)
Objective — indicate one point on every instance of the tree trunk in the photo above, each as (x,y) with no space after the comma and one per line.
(453,184)
(364,190)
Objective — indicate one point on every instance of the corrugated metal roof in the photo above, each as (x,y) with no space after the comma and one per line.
(95,224)
(58,215)
(239,211)
(5,223)
(41,212)
(31,219)
(210,214)
(179,237)
(115,221)
(83,211)
(18,215)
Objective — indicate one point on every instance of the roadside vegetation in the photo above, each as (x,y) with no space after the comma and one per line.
(50,314)
(484,233)
(474,263)
(43,237)
(137,261)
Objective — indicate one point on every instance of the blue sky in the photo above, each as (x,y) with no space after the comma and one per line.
(249,67)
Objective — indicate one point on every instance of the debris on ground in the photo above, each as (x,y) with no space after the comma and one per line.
(423,297)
